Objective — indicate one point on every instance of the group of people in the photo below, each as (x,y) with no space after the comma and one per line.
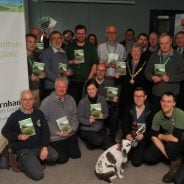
(92,99)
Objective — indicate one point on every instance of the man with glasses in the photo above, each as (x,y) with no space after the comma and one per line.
(111,51)
(52,57)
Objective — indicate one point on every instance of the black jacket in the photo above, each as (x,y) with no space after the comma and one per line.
(11,130)
(127,120)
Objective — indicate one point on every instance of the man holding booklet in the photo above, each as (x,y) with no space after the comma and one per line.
(35,68)
(28,132)
(111,52)
(56,62)
(83,59)
(61,113)
(165,69)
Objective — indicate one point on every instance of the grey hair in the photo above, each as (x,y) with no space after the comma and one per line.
(26,91)
(61,79)
(136,45)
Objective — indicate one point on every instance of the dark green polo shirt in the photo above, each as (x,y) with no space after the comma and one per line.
(81,71)
(168,124)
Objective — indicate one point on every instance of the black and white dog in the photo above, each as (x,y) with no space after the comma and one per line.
(109,164)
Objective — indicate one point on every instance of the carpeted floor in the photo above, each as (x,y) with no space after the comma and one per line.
(81,171)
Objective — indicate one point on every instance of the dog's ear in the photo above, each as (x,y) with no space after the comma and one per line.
(118,141)
(119,144)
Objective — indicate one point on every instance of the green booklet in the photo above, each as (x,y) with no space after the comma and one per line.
(112,58)
(96,110)
(111,93)
(121,68)
(62,69)
(79,56)
(38,68)
(27,127)
(160,69)
(63,124)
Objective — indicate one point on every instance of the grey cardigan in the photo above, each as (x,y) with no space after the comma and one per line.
(84,114)
(54,109)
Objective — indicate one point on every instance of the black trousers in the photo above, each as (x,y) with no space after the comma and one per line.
(68,148)
(98,139)
(136,154)
(112,121)
(174,151)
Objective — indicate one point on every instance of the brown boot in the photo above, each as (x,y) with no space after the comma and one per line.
(175,165)
(15,166)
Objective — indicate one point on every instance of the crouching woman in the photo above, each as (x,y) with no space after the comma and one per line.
(92,111)
(136,125)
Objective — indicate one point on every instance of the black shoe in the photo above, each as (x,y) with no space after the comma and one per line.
(175,165)
(169,177)
(89,146)
(166,162)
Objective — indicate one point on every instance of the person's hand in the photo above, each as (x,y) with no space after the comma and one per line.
(46,32)
(34,78)
(129,137)
(139,137)
(42,76)
(69,72)
(91,120)
(101,116)
(63,133)
(156,79)
(73,62)
(43,153)
(115,99)
(165,78)
(23,137)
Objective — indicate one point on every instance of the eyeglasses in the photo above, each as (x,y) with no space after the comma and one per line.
(111,32)
(100,70)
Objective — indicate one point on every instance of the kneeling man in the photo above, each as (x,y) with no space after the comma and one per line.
(167,136)
(28,132)
(61,113)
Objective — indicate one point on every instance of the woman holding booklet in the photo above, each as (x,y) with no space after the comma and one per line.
(136,126)
(92,111)
(135,66)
